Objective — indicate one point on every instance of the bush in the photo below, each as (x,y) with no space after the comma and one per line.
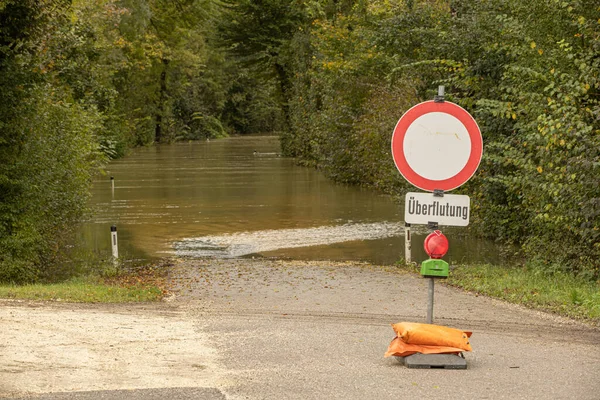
(51,174)
(533,84)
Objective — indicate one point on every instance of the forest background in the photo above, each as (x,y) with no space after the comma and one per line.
(84,81)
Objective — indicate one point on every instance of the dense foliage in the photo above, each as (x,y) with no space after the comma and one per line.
(47,146)
(528,71)
(83,81)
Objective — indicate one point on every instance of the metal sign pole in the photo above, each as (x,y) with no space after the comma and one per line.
(430,301)
(407,244)
(457,157)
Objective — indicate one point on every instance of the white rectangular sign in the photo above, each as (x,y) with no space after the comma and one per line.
(449,210)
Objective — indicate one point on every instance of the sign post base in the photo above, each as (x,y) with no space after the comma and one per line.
(439,361)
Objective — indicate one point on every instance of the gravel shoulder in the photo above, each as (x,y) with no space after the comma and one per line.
(272,329)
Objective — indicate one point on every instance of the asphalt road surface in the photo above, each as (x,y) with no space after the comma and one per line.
(264,329)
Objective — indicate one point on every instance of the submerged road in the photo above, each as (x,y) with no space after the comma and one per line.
(267,329)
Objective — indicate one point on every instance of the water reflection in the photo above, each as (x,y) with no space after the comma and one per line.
(228,194)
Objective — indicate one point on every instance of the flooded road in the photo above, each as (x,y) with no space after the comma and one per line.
(237,197)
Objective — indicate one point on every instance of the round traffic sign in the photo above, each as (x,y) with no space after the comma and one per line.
(437,146)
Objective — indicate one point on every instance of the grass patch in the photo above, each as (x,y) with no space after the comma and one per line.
(82,290)
(143,284)
(558,292)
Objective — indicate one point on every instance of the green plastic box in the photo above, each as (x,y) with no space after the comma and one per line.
(434,268)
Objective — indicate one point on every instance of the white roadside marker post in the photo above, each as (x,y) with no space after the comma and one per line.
(114,243)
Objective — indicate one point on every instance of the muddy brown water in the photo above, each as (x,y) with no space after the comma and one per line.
(237,197)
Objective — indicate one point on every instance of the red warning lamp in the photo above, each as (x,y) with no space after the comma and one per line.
(436,245)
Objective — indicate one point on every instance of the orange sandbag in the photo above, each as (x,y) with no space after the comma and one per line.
(399,348)
(432,335)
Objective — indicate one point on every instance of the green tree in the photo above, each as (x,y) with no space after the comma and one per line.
(527,71)
(258,33)
(180,31)
(48,147)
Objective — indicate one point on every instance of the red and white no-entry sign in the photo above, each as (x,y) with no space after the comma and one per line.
(437,145)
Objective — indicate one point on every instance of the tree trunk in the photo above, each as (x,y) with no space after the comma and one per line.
(284,85)
(160,109)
